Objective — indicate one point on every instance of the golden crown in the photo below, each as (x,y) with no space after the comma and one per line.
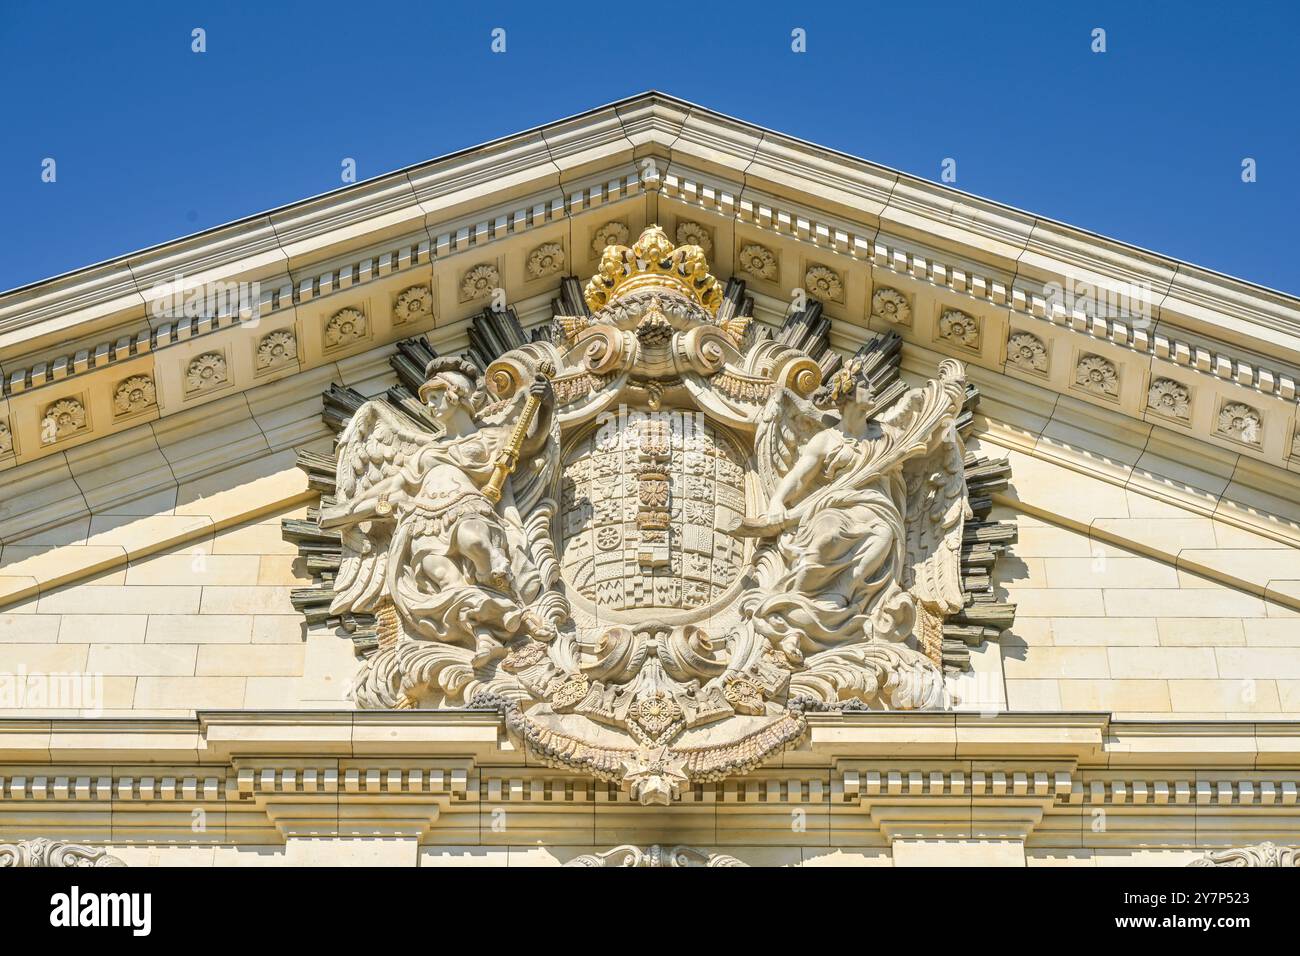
(653,261)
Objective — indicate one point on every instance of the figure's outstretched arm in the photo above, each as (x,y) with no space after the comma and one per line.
(540,429)
(369,504)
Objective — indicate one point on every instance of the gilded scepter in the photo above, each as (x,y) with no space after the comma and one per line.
(509,457)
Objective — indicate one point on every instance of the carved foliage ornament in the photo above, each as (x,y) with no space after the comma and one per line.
(612,233)
(135,394)
(276,350)
(1098,375)
(413,303)
(1169,398)
(62,419)
(960,329)
(823,283)
(478,282)
(6,437)
(547,259)
(1026,351)
(675,572)
(694,234)
(655,856)
(1262,854)
(1240,422)
(892,306)
(345,327)
(206,372)
(53,853)
(758,261)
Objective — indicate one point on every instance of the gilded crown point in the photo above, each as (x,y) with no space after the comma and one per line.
(653,261)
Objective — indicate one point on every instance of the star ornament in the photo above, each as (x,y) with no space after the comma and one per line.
(655,776)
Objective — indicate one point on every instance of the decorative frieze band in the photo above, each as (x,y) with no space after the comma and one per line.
(958,328)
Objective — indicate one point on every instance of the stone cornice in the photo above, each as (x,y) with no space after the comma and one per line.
(865,779)
(1234,348)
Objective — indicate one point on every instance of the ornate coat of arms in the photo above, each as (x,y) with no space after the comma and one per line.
(656,536)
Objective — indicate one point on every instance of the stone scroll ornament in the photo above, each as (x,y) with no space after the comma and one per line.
(655,536)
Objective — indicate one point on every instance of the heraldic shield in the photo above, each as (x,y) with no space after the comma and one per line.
(657,535)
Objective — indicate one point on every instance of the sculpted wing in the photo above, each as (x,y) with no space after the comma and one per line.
(786,424)
(372,448)
(920,434)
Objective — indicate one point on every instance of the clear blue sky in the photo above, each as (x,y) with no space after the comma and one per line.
(1143,142)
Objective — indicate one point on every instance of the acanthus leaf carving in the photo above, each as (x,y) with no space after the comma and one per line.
(42,852)
(206,372)
(655,856)
(1260,854)
(1097,374)
(277,349)
(133,395)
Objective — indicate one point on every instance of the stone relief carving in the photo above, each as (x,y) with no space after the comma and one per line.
(1098,375)
(276,350)
(1295,444)
(134,394)
(1170,398)
(650,542)
(892,306)
(62,419)
(345,327)
(6,437)
(413,303)
(758,261)
(478,282)
(1240,422)
(1026,351)
(206,372)
(823,283)
(655,856)
(613,233)
(960,329)
(547,259)
(57,853)
(1262,854)
(695,234)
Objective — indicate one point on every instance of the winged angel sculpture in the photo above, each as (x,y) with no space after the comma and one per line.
(865,514)
(655,540)
(430,524)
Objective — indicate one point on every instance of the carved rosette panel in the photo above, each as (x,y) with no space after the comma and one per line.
(277,350)
(1027,352)
(824,284)
(960,329)
(1240,422)
(63,419)
(1097,375)
(206,372)
(6,437)
(695,234)
(613,233)
(1170,398)
(546,260)
(701,545)
(412,304)
(134,395)
(758,261)
(479,281)
(345,327)
(53,853)
(892,306)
